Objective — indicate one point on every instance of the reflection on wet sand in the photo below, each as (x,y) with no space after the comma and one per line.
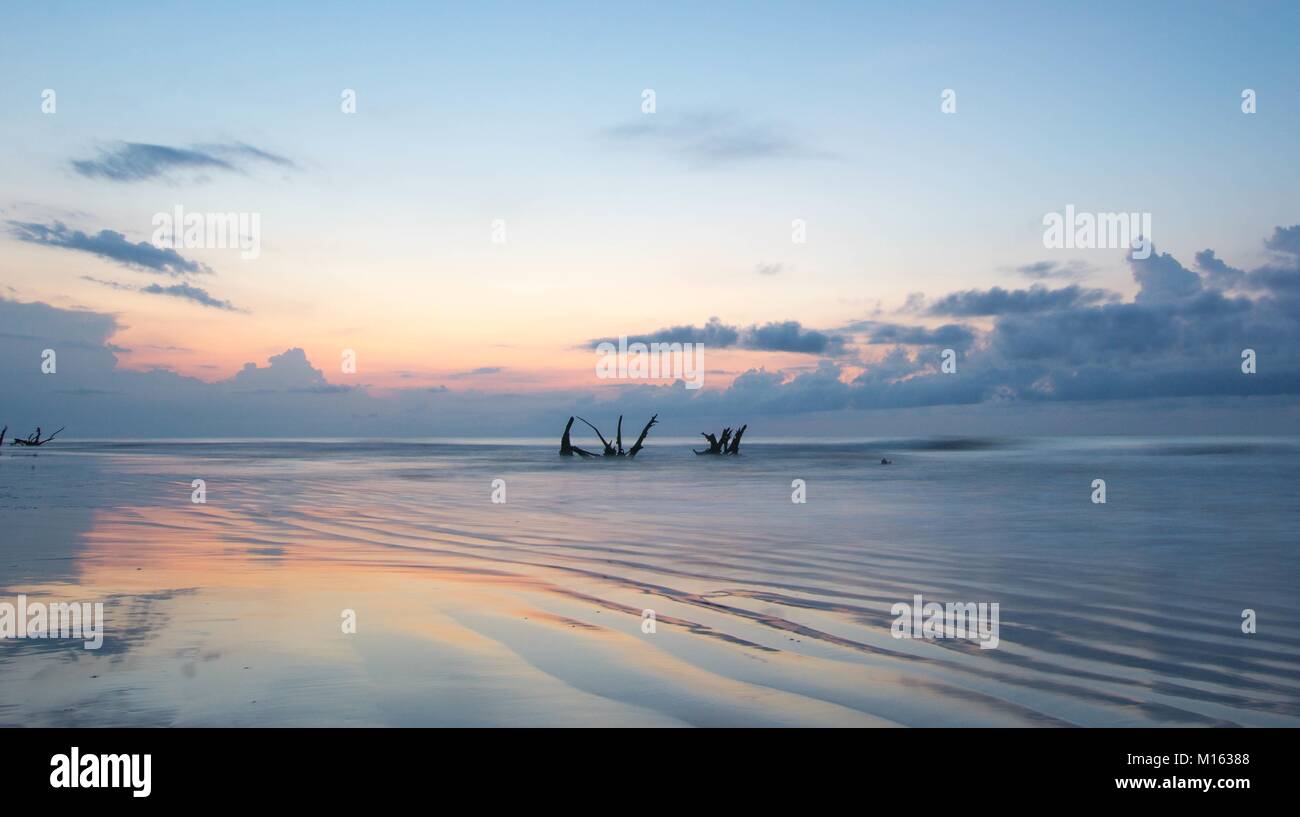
(228,613)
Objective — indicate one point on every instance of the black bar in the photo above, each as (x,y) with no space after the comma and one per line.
(210,766)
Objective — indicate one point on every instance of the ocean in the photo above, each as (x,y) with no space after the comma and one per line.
(373,582)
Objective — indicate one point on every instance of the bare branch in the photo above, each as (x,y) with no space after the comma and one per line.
(609,449)
(566,447)
(735,441)
(641,440)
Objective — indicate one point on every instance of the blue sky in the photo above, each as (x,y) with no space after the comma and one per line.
(376,224)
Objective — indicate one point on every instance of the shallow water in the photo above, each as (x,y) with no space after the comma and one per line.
(767,612)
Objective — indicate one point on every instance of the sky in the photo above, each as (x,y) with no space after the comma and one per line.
(500,199)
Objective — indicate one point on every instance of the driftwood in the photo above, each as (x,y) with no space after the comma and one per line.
(568,449)
(640,441)
(34,439)
(614,449)
(609,449)
(727,444)
(735,441)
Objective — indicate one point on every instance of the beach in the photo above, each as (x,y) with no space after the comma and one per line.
(532,611)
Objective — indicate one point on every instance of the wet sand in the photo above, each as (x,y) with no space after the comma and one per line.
(767,612)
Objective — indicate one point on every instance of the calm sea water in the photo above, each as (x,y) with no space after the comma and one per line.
(530,612)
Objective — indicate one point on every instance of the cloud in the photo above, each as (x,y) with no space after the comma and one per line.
(77,328)
(137,161)
(287,371)
(915,303)
(999,301)
(1163,279)
(1285,240)
(482,370)
(1178,340)
(1054,269)
(109,284)
(790,336)
(242,150)
(1085,335)
(712,139)
(189,293)
(951,335)
(714,334)
(1281,277)
(1180,337)
(185,291)
(769,269)
(782,336)
(110,245)
(93,395)
(1220,273)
